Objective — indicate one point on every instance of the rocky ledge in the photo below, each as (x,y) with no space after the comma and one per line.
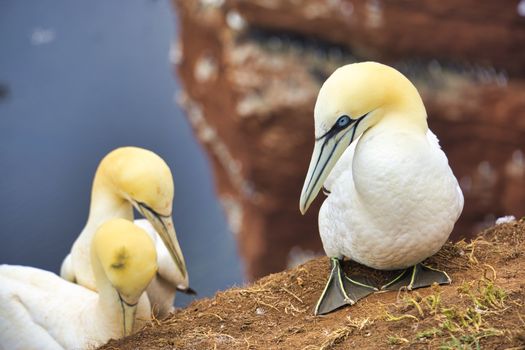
(481,309)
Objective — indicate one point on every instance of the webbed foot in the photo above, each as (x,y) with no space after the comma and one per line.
(340,290)
(417,276)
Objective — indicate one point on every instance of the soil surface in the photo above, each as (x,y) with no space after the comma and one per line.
(483,308)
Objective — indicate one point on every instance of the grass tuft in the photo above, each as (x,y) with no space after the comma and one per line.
(396,340)
(460,325)
(429,333)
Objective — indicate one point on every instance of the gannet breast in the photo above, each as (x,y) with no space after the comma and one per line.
(393,202)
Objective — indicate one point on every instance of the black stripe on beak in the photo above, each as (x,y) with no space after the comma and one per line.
(335,130)
(148,208)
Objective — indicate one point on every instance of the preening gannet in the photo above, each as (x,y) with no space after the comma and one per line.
(129,177)
(393,198)
(39,310)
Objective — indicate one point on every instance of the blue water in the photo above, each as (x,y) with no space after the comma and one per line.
(78,79)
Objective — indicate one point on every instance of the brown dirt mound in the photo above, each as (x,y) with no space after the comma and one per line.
(484,308)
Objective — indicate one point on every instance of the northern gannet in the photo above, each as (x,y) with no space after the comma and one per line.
(130,177)
(39,310)
(393,199)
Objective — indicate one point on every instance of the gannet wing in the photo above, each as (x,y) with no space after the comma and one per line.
(43,280)
(66,269)
(29,298)
(432,139)
(461,201)
(17,327)
(345,162)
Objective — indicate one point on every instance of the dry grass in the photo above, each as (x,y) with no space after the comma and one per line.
(482,309)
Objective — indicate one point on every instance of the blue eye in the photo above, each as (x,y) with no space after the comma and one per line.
(343,121)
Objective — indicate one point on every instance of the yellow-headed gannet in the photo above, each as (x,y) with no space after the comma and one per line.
(393,198)
(39,310)
(130,177)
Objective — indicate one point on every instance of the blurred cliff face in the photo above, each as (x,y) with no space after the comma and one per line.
(252,69)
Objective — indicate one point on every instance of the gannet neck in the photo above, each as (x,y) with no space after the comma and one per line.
(107,201)
(395,119)
(124,262)
(402,105)
(108,311)
(108,308)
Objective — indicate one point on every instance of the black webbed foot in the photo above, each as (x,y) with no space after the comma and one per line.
(417,276)
(341,290)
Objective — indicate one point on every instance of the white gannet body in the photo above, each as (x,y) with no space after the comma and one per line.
(393,198)
(393,204)
(39,310)
(129,177)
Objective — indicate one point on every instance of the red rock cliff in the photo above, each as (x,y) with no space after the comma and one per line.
(251,71)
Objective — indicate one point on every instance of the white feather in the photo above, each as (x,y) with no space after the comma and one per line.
(394,200)
(39,310)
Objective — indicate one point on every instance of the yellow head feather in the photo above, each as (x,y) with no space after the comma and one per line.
(140,175)
(367,87)
(127,255)
(354,99)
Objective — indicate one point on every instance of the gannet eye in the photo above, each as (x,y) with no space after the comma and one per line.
(343,121)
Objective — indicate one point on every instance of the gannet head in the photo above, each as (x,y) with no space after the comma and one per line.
(353,99)
(128,259)
(144,179)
